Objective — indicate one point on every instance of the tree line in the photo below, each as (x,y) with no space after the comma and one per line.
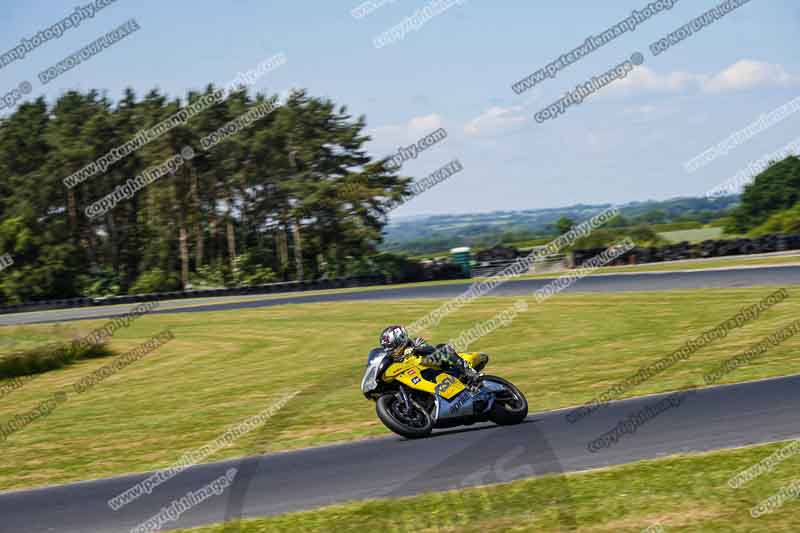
(292,196)
(771,203)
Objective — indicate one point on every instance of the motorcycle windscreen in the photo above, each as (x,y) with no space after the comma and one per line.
(377,361)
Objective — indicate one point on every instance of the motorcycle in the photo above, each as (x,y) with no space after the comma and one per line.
(412,399)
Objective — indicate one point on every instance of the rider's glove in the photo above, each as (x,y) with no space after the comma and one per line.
(412,347)
(472,376)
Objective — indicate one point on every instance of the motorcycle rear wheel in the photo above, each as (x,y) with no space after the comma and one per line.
(509,407)
(413,424)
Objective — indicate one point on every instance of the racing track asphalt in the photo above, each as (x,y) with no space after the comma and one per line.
(709,419)
(649,281)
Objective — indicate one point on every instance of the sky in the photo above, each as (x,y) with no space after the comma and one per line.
(629,141)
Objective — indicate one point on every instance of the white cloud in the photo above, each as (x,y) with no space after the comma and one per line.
(409,132)
(745,74)
(425,123)
(748,74)
(496,119)
(646,79)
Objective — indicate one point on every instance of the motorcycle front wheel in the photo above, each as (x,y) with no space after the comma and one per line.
(413,423)
(510,406)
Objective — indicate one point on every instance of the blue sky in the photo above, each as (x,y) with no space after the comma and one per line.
(627,142)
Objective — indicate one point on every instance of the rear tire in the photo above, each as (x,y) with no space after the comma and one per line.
(511,411)
(413,425)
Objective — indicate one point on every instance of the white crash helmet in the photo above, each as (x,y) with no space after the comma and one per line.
(394,338)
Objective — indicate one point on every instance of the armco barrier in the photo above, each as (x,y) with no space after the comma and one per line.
(705,249)
(286,286)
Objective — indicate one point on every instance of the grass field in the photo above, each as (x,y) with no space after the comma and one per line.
(682,493)
(672,266)
(225,366)
(704,264)
(21,338)
(693,235)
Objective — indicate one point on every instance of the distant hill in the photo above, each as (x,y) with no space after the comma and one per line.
(435,233)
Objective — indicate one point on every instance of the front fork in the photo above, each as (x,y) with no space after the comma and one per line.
(404,397)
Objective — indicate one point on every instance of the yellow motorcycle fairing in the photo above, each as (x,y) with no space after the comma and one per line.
(409,373)
(476,360)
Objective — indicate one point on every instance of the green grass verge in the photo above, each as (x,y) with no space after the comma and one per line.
(223,367)
(46,357)
(703,264)
(672,266)
(15,338)
(692,235)
(681,493)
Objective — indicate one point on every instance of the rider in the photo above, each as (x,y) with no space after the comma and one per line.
(396,341)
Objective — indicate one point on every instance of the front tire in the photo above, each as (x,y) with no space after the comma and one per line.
(510,406)
(413,424)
